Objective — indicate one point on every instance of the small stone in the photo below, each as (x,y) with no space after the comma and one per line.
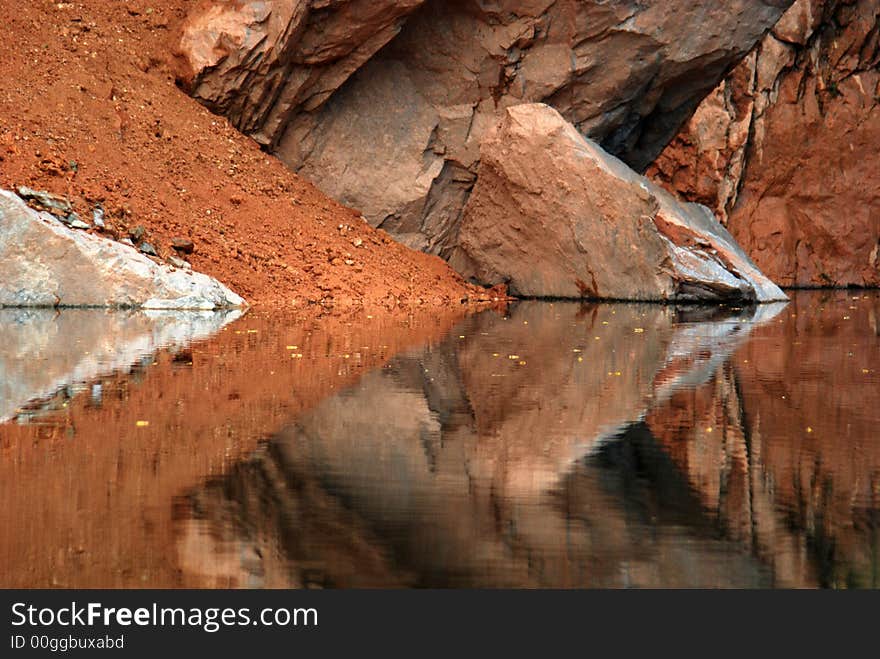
(178,262)
(183,245)
(357,242)
(349,262)
(148,249)
(98,216)
(137,233)
(52,202)
(127,241)
(72,220)
(79,224)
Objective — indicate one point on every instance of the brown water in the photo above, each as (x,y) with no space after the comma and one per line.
(548,445)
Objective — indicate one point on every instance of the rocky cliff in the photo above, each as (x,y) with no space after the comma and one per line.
(785,149)
(384,104)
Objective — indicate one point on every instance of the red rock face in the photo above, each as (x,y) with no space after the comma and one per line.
(786,148)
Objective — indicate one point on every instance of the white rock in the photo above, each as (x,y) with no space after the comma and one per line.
(44,263)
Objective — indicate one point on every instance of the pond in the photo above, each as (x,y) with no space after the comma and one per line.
(536,445)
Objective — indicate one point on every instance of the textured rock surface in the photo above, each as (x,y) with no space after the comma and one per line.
(257,61)
(45,263)
(399,140)
(786,148)
(553,215)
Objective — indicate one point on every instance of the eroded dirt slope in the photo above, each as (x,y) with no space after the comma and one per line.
(89,109)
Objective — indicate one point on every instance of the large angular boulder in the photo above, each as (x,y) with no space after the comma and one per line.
(395,132)
(554,215)
(786,148)
(44,263)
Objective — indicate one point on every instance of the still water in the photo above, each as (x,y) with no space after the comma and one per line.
(540,445)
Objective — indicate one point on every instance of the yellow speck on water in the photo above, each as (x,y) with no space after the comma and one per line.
(292,347)
(522,363)
(604,322)
(618,373)
(596,337)
(809,429)
(846,317)
(346,356)
(296,355)
(142,424)
(513,356)
(252,331)
(495,354)
(577,350)
(461,336)
(580,359)
(639,330)
(745,361)
(525,322)
(709,429)
(865,371)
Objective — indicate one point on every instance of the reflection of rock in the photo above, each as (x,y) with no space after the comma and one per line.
(553,215)
(465,465)
(785,149)
(398,139)
(782,448)
(75,346)
(44,263)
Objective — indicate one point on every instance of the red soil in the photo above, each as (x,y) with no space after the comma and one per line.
(88,108)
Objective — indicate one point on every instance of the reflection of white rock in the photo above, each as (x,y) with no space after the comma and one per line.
(44,263)
(43,350)
(695,352)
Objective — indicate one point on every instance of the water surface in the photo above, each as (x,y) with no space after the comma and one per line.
(544,445)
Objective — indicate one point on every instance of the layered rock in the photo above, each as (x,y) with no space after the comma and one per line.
(399,139)
(45,263)
(785,149)
(553,215)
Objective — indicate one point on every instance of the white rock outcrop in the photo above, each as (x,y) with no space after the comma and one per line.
(44,263)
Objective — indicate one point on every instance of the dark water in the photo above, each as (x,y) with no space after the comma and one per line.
(552,445)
